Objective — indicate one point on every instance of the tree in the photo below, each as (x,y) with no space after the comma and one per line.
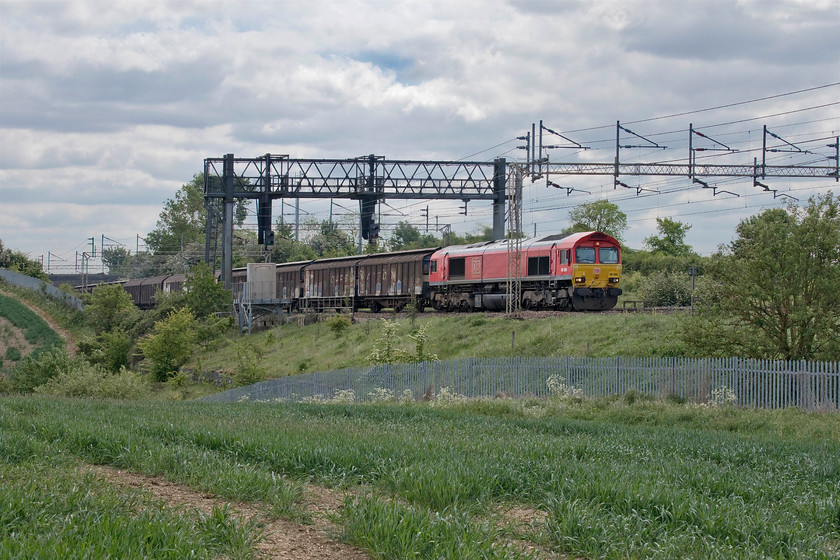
(183,218)
(116,259)
(331,241)
(671,238)
(778,292)
(203,294)
(406,236)
(107,307)
(20,262)
(171,344)
(601,215)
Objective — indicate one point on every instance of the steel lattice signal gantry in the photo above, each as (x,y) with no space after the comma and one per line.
(368,179)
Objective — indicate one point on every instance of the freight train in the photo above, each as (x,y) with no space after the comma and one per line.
(578,271)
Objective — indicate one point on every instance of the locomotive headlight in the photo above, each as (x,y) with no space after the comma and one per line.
(580,279)
(614,280)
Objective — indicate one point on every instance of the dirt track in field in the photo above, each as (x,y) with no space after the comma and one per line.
(281,539)
(288,540)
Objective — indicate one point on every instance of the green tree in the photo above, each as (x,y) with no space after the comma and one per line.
(286,249)
(332,241)
(116,259)
(777,292)
(19,262)
(203,294)
(601,215)
(182,219)
(171,343)
(406,236)
(671,238)
(107,307)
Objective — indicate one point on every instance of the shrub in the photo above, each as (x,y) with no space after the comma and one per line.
(109,349)
(171,343)
(667,289)
(35,371)
(562,393)
(338,324)
(381,395)
(248,370)
(421,339)
(86,380)
(447,397)
(12,354)
(108,306)
(385,349)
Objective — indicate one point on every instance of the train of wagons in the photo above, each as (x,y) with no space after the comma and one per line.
(577,271)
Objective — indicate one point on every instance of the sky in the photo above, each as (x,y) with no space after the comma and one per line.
(107,108)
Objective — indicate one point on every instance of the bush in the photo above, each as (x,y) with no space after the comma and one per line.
(171,344)
(109,349)
(338,324)
(92,381)
(107,307)
(35,371)
(667,289)
(12,354)
(248,370)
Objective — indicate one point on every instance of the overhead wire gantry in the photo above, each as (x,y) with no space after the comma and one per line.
(369,179)
(541,167)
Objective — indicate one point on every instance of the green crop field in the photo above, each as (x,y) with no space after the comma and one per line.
(610,480)
(36,333)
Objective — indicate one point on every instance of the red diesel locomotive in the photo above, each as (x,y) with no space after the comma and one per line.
(578,271)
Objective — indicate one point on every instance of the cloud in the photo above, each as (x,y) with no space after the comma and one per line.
(114,106)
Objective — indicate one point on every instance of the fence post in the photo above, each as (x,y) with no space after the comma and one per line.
(617,375)
(425,378)
(470,390)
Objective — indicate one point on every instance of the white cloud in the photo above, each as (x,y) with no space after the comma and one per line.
(106,108)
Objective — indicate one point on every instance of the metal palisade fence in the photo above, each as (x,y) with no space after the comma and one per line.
(743,382)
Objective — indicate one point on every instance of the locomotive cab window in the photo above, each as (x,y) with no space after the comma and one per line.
(432,265)
(585,255)
(564,256)
(608,255)
(538,266)
(457,268)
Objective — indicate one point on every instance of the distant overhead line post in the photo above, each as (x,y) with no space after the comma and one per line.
(368,179)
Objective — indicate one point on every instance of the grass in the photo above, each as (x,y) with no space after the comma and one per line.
(35,330)
(64,315)
(289,349)
(616,479)
(58,510)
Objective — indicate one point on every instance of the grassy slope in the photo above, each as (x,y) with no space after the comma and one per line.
(291,349)
(35,330)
